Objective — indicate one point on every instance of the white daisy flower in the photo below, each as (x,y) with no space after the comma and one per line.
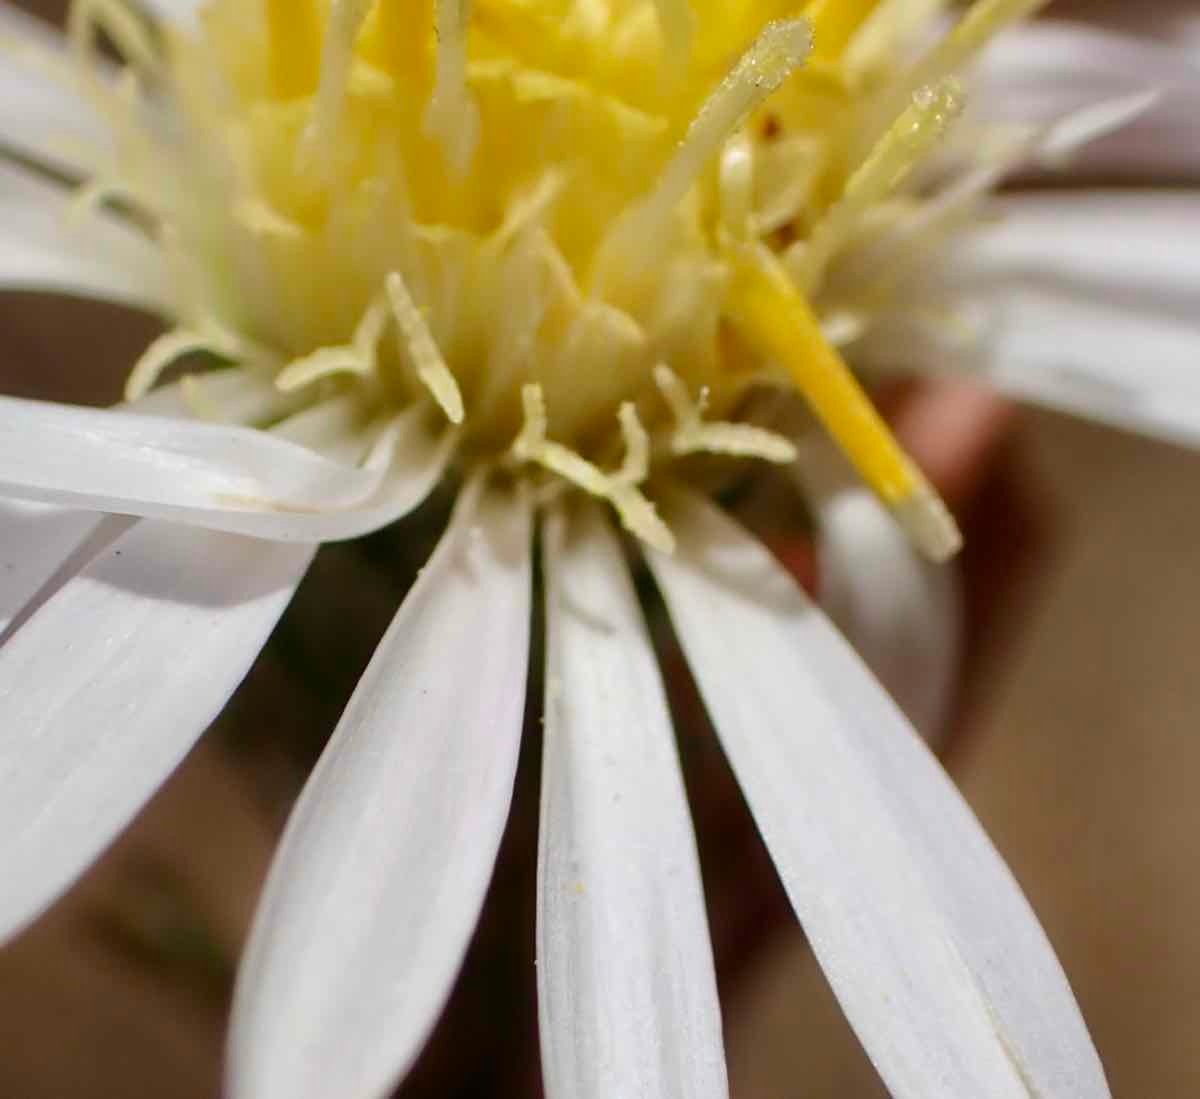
(555,248)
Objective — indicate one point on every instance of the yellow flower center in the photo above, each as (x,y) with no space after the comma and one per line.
(585,229)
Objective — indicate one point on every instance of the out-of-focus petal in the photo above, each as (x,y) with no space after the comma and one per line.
(936,957)
(900,611)
(626,990)
(43,248)
(1084,302)
(1044,70)
(382,871)
(106,687)
(42,116)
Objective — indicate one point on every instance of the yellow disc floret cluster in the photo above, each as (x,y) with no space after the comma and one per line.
(584,230)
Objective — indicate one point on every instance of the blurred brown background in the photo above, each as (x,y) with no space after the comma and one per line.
(1081,760)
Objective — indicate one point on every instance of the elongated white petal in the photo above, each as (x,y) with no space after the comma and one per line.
(935,955)
(42,116)
(43,248)
(1086,303)
(1046,69)
(35,539)
(901,612)
(627,995)
(219,476)
(109,684)
(383,868)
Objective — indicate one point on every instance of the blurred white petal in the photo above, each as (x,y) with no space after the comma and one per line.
(627,995)
(383,868)
(900,611)
(935,955)
(43,248)
(106,687)
(1089,303)
(218,476)
(43,118)
(1045,69)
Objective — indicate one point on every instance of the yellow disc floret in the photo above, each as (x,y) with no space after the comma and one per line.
(582,229)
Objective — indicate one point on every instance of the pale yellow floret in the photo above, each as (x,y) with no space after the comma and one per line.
(780,49)
(906,143)
(417,341)
(334,60)
(359,358)
(635,511)
(452,116)
(676,19)
(694,435)
(294,31)
(983,20)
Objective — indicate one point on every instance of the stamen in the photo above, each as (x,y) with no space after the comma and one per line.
(295,52)
(834,23)
(631,243)
(636,512)
(982,22)
(168,349)
(635,467)
(777,322)
(345,20)
(325,362)
(418,341)
(452,117)
(693,435)
(359,357)
(781,48)
(904,145)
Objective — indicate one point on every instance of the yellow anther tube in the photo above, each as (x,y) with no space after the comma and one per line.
(777,322)
(834,23)
(295,58)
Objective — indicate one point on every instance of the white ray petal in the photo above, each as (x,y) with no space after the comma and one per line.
(1084,302)
(1046,69)
(107,686)
(383,868)
(43,116)
(42,248)
(35,539)
(900,611)
(935,955)
(219,476)
(627,995)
